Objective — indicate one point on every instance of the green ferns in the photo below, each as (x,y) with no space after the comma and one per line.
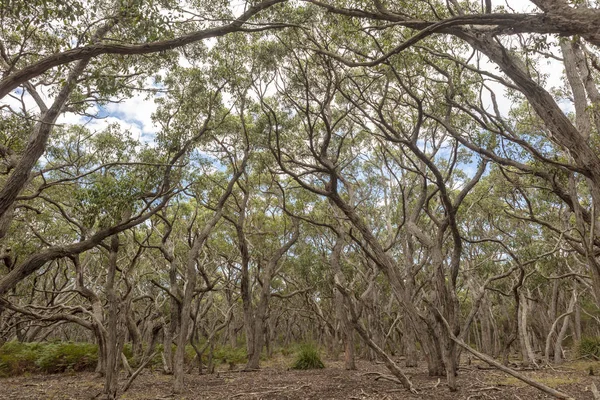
(17,358)
(55,357)
(308,358)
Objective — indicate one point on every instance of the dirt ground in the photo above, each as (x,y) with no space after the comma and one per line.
(276,381)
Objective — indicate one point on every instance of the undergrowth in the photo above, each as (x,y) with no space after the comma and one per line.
(229,355)
(308,358)
(589,348)
(17,358)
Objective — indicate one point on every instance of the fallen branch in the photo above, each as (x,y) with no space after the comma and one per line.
(435,385)
(379,375)
(484,389)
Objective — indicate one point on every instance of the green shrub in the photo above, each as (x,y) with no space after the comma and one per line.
(230,355)
(291,348)
(589,348)
(190,353)
(17,358)
(286,351)
(61,357)
(308,358)
(128,351)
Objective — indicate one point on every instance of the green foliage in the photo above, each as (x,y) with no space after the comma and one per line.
(589,347)
(60,357)
(230,355)
(286,351)
(128,351)
(291,349)
(308,358)
(17,358)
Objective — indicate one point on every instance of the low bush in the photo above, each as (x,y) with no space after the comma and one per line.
(308,358)
(17,358)
(589,348)
(230,355)
(286,351)
(61,357)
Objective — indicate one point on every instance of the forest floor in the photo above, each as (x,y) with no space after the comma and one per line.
(276,381)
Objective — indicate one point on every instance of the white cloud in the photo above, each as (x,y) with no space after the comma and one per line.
(99,124)
(136,110)
(132,114)
(22,101)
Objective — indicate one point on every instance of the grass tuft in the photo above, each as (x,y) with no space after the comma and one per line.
(308,358)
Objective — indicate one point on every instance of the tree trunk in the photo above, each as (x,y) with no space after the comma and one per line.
(563,330)
(346,330)
(486,332)
(185,317)
(191,276)
(260,314)
(135,335)
(527,354)
(167,349)
(112,351)
(410,346)
(349,359)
